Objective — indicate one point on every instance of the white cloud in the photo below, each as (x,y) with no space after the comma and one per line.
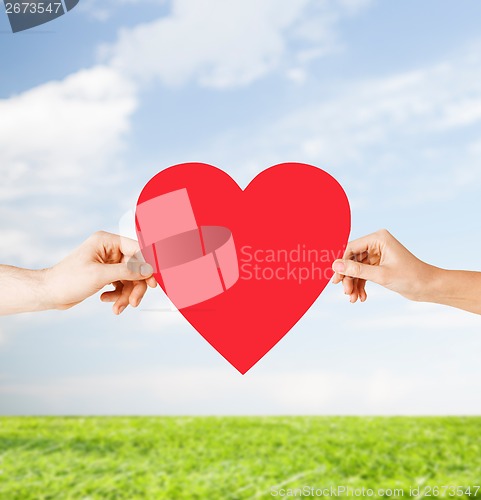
(297,75)
(375,113)
(390,139)
(59,142)
(354,6)
(63,133)
(416,315)
(209,391)
(15,245)
(223,44)
(102,10)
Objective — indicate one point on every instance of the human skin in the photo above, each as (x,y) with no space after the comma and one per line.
(382,259)
(101,260)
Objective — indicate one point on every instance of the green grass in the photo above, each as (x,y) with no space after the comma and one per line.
(230,458)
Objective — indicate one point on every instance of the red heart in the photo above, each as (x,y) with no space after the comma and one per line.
(289,225)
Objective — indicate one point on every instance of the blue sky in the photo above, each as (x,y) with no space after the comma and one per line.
(385,96)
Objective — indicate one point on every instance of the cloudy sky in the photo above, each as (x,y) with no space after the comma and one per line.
(385,96)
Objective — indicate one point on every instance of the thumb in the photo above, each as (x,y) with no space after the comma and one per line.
(354,269)
(127,271)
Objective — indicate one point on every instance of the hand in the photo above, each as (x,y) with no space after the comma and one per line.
(103,259)
(380,258)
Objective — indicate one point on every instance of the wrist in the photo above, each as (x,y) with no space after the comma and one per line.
(46,298)
(433,284)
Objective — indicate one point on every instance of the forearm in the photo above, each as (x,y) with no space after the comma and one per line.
(461,289)
(22,290)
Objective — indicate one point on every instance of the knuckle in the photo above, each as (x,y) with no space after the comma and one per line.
(384,233)
(98,235)
(347,250)
(354,269)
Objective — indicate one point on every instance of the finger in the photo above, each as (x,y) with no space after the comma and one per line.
(138,292)
(353,269)
(358,291)
(362,290)
(129,247)
(362,257)
(115,242)
(355,291)
(126,271)
(337,278)
(362,245)
(113,245)
(151,282)
(362,282)
(112,295)
(348,285)
(123,301)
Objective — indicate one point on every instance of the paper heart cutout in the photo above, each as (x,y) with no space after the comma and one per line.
(243,266)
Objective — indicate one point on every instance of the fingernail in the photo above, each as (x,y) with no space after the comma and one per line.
(338,266)
(121,309)
(146,269)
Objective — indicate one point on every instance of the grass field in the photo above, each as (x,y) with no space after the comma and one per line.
(238,457)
